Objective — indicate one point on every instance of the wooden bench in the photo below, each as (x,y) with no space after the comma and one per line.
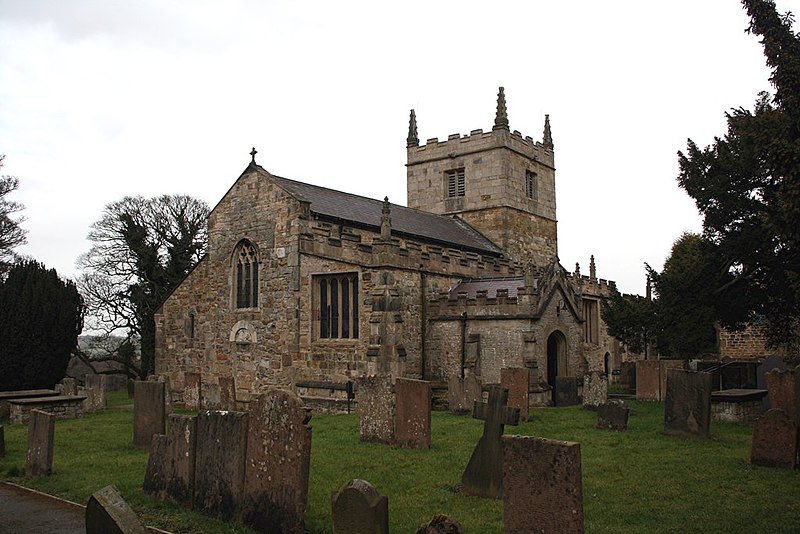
(62,406)
(6,396)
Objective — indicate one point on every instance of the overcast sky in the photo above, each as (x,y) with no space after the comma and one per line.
(103,99)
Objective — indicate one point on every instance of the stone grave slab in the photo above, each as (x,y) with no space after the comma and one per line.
(191,391)
(155,478)
(566,391)
(376,408)
(69,386)
(627,374)
(412,428)
(7,396)
(277,465)
(595,389)
(148,412)
(648,380)
(108,513)
(542,485)
(774,440)
(220,462)
(179,468)
(462,393)
(484,473)
(41,438)
(441,524)
(227,393)
(613,416)
(358,507)
(687,407)
(784,392)
(95,386)
(517,381)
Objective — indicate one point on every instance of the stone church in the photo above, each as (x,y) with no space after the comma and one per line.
(308,285)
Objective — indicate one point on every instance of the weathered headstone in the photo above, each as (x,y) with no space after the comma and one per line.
(774,440)
(358,507)
(566,391)
(462,393)
(191,392)
(179,469)
(108,513)
(613,415)
(277,465)
(210,396)
(648,380)
(542,486)
(687,408)
(41,438)
(95,392)
(220,462)
(155,478)
(441,524)
(412,427)
(376,407)
(148,412)
(517,380)
(130,387)
(227,393)
(484,473)
(665,366)
(69,386)
(784,392)
(595,389)
(627,375)
(2,442)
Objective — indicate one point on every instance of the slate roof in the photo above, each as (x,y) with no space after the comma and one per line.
(445,231)
(491,285)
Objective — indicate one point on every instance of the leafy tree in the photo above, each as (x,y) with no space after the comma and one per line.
(747,186)
(11,235)
(630,319)
(40,319)
(142,249)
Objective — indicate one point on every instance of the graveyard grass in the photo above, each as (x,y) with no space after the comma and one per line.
(640,480)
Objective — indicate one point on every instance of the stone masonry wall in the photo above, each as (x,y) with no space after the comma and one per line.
(750,343)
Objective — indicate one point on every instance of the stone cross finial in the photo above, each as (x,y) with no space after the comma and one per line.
(592,268)
(547,140)
(501,118)
(577,270)
(412,139)
(253,155)
(386,221)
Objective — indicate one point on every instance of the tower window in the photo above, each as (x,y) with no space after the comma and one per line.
(531,185)
(456,182)
(336,306)
(246,275)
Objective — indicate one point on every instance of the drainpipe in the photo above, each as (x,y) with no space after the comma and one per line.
(463,319)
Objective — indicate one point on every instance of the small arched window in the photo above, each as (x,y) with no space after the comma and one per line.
(245,261)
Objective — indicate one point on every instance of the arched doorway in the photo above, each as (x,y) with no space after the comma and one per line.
(556,359)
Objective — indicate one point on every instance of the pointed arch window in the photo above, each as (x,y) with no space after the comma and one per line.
(245,273)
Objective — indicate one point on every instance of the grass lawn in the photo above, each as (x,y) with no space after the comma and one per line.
(635,481)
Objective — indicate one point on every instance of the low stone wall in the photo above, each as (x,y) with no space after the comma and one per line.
(62,406)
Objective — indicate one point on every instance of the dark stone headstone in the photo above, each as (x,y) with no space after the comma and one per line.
(155,479)
(130,383)
(542,486)
(648,380)
(784,392)
(484,473)
(441,524)
(358,507)
(376,408)
(687,409)
(191,392)
(41,437)
(95,392)
(462,393)
(220,462)
(627,374)
(148,412)
(108,513)
(227,393)
(765,366)
(774,440)
(2,442)
(277,465)
(566,391)
(412,427)
(179,468)
(613,415)
(595,389)
(517,380)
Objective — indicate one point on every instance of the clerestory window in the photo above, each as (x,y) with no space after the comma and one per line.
(336,310)
(245,261)
(456,183)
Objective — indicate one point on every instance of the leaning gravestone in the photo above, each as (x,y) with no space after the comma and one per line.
(277,464)
(517,381)
(41,437)
(148,412)
(542,486)
(784,392)
(566,391)
(687,409)
(412,428)
(774,440)
(441,524)
(484,473)
(595,389)
(462,393)
(376,407)
(108,513)
(358,507)
(613,416)
(95,392)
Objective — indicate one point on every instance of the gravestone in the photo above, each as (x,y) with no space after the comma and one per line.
(648,380)
(220,462)
(484,473)
(155,478)
(358,507)
(441,524)
(95,392)
(566,391)
(191,392)
(542,486)
(412,428)
(687,408)
(41,438)
(227,393)
(277,464)
(665,366)
(784,392)
(130,387)
(613,416)
(108,513)
(774,440)
(517,381)
(462,393)
(148,412)
(210,396)
(765,366)
(69,386)
(595,389)
(2,443)
(179,468)
(376,407)
(627,375)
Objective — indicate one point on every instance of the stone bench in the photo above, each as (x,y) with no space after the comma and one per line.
(737,405)
(7,396)
(62,406)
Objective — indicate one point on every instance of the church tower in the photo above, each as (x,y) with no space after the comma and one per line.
(501,183)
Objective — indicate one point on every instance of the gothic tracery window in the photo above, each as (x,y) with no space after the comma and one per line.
(336,312)
(246,275)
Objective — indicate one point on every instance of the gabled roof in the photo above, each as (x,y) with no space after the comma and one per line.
(361,211)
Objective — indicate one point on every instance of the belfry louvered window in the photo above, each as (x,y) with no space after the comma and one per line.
(531,185)
(246,274)
(336,311)
(456,183)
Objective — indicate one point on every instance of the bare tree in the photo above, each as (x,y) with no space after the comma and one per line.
(11,235)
